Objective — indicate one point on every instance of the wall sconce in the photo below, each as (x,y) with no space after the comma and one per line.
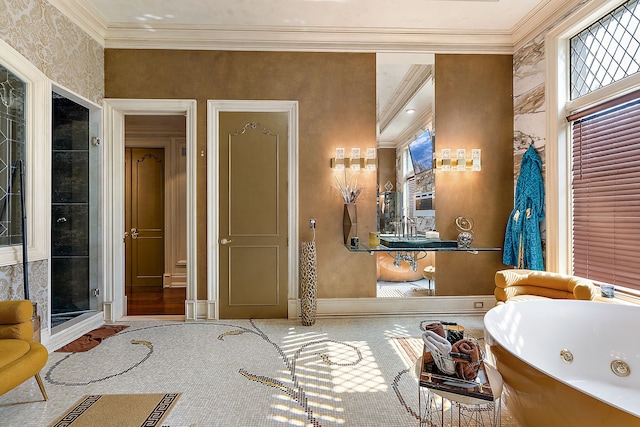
(355,159)
(461,162)
(355,162)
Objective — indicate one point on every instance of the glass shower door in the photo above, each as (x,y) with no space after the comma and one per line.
(74,189)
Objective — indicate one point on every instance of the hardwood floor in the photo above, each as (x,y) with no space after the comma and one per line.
(151,300)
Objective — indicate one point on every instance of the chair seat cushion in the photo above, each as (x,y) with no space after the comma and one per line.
(12,350)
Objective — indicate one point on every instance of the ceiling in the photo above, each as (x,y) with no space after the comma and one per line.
(404,33)
(435,14)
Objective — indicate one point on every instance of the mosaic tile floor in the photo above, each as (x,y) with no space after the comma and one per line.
(417,288)
(339,372)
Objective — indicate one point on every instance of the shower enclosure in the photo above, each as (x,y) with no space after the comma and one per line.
(74,212)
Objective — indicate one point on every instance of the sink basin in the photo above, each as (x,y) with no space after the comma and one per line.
(418,242)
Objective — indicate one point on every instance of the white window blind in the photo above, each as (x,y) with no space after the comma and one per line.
(411,198)
(606,193)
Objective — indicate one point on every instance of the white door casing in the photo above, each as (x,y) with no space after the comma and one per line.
(213,110)
(113,202)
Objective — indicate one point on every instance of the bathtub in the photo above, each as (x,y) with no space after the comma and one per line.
(557,359)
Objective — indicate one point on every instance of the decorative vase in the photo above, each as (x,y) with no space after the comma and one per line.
(350,222)
(465,239)
(465,227)
(309,283)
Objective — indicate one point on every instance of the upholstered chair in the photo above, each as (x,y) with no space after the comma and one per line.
(20,356)
(518,284)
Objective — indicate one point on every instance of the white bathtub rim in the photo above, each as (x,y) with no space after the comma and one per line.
(623,395)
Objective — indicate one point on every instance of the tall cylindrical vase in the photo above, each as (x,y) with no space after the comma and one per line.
(309,283)
(350,221)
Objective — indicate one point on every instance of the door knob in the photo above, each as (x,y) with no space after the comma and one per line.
(224,241)
(134,233)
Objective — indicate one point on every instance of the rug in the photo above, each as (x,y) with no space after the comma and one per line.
(91,339)
(118,410)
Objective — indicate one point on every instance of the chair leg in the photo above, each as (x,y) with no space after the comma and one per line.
(41,385)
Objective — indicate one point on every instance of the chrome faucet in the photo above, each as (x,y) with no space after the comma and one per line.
(412,228)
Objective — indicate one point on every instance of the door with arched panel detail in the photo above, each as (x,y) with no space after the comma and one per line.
(253,234)
(144,217)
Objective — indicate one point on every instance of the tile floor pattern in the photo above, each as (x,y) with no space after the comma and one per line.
(339,372)
(417,288)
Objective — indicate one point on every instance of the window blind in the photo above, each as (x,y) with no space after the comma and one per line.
(411,198)
(606,195)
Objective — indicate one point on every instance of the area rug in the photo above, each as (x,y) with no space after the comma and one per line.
(118,410)
(91,339)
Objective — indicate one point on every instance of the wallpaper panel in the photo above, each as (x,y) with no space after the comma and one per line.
(61,50)
(12,288)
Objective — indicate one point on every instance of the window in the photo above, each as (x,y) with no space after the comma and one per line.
(606,51)
(12,145)
(604,147)
(606,200)
(25,124)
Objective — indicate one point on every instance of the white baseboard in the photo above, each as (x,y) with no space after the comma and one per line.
(336,307)
(345,307)
(191,310)
(73,331)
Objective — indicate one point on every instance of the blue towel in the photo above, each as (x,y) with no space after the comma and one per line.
(522,242)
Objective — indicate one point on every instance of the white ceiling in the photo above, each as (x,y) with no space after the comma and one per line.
(403,33)
(492,15)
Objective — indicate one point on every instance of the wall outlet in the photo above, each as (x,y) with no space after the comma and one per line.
(478,304)
(312,223)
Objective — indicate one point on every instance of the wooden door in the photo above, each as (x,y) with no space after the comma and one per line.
(144,217)
(253,208)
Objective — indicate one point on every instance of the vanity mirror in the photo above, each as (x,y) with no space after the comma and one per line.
(406,185)
(406,138)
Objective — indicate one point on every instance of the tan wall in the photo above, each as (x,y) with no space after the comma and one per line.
(474,109)
(337,108)
(386,167)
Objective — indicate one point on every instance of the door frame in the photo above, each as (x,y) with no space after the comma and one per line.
(214,108)
(114,111)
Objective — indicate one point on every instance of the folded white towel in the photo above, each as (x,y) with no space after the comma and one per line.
(440,349)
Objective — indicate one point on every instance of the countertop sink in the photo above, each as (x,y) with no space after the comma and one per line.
(417,242)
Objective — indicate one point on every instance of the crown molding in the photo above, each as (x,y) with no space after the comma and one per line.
(542,19)
(85,16)
(416,77)
(325,39)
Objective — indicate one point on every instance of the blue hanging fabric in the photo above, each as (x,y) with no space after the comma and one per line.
(522,242)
